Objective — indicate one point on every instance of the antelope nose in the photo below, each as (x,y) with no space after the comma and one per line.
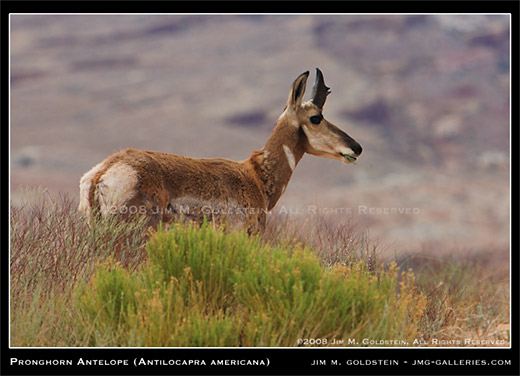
(356,148)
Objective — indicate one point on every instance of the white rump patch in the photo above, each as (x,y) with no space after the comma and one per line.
(84,187)
(290,157)
(116,187)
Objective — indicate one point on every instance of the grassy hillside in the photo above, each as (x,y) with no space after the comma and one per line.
(120,284)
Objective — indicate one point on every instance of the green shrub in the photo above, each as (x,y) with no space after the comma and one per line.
(207,287)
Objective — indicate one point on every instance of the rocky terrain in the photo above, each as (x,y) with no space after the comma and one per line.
(427,96)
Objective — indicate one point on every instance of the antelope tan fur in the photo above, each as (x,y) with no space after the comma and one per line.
(163,186)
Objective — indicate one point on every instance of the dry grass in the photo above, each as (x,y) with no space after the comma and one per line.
(51,248)
(468,297)
(334,242)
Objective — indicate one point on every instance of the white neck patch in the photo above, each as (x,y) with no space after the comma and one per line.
(290,157)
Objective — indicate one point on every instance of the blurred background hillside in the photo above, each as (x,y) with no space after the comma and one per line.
(427,96)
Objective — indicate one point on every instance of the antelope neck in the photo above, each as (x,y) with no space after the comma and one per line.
(280,155)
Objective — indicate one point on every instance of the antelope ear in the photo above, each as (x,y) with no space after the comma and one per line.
(294,101)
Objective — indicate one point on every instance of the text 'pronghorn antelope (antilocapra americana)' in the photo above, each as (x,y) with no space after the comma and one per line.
(163,186)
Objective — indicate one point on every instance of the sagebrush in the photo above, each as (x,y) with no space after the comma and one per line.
(205,287)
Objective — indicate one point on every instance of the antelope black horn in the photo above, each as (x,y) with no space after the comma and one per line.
(319,90)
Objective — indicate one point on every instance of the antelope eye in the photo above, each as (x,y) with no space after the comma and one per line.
(316,119)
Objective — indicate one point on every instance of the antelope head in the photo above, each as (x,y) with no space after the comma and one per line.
(323,138)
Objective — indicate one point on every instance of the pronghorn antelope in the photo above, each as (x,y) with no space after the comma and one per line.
(163,186)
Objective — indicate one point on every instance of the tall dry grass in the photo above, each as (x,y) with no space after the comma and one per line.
(468,296)
(334,242)
(52,248)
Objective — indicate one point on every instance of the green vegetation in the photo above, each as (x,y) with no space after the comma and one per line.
(119,284)
(205,287)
